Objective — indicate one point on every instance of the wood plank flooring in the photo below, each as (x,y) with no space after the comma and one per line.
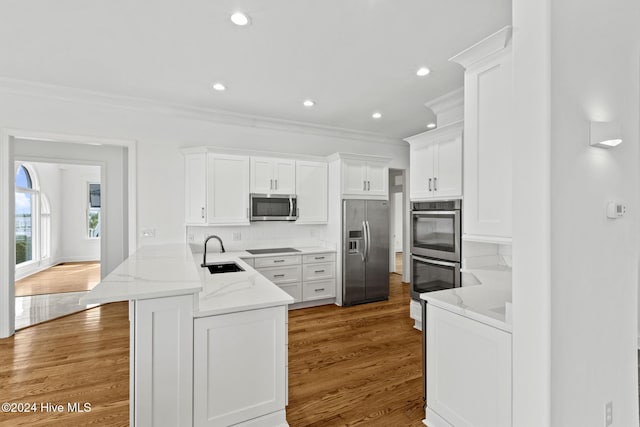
(356,366)
(83,357)
(348,366)
(65,277)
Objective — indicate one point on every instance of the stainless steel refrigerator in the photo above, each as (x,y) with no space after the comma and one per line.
(365,249)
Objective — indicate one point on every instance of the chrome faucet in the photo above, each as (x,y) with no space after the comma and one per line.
(204,258)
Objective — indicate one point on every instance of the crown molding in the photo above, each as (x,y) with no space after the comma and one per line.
(485,47)
(82,96)
(448,108)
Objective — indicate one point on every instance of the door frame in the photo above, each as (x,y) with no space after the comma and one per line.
(7,206)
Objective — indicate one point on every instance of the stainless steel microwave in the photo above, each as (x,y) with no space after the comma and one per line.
(273,207)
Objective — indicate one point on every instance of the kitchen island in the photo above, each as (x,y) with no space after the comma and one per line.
(205,349)
(468,356)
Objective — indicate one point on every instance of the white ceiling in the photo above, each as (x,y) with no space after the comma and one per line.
(353,57)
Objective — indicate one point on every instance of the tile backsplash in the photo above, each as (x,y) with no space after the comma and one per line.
(260,235)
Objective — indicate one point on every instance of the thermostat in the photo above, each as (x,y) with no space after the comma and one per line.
(615,210)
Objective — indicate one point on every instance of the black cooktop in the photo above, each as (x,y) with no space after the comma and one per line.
(271,251)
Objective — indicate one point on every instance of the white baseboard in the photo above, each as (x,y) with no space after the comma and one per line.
(21,273)
(434,420)
(77,259)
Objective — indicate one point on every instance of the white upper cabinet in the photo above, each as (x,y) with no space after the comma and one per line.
(488,102)
(436,163)
(273,176)
(311,189)
(227,189)
(365,178)
(195,166)
(216,189)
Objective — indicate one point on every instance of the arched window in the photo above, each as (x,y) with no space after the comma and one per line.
(27,215)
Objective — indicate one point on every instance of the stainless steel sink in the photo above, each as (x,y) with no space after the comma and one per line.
(223,267)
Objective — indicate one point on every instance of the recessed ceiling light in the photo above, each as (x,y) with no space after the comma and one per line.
(240,19)
(376,115)
(423,71)
(309,103)
(431,125)
(219,86)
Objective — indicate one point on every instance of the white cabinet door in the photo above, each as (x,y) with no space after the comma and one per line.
(421,171)
(312,192)
(487,148)
(162,339)
(262,175)
(239,366)
(227,189)
(448,167)
(436,163)
(354,177)
(195,188)
(284,176)
(377,179)
(469,371)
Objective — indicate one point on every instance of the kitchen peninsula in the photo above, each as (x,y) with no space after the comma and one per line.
(205,349)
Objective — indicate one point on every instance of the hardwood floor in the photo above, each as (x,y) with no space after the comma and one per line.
(83,357)
(348,366)
(352,366)
(65,277)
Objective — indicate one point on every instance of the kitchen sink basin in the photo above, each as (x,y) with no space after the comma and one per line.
(223,267)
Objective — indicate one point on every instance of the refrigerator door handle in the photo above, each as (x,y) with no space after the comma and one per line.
(365,250)
(368,240)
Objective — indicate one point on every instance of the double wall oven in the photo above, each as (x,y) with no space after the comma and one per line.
(435,246)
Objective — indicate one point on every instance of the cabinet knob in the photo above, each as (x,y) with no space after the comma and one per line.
(319,289)
(319,271)
(435,183)
(276,181)
(364,185)
(202,212)
(430,184)
(368,185)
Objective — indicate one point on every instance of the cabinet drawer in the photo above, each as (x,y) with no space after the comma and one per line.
(293,289)
(324,257)
(248,261)
(274,261)
(318,290)
(282,275)
(322,271)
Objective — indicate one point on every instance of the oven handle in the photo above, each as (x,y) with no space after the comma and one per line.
(435,212)
(433,261)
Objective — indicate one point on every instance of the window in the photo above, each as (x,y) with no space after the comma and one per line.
(93,211)
(26,229)
(45,227)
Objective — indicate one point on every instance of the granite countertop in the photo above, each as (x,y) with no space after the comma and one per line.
(158,271)
(487,303)
(302,251)
(153,271)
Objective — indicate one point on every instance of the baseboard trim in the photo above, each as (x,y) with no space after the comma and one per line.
(37,269)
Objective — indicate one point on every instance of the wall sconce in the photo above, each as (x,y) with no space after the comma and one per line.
(604,134)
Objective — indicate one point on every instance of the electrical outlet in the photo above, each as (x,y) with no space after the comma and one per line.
(608,414)
(237,235)
(148,232)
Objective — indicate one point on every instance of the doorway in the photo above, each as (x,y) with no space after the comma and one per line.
(397,222)
(57,234)
(117,159)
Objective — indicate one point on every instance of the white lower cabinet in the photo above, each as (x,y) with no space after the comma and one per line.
(468,372)
(239,367)
(310,277)
(161,362)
